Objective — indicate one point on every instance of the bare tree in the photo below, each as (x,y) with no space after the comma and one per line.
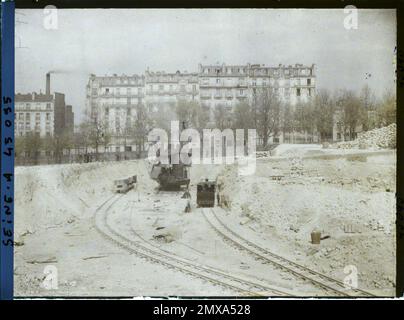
(387,109)
(268,114)
(32,146)
(162,115)
(351,112)
(324,109)
(222,116)
(192,114)
(82,137)
(368,101)
(288,123)
(243,118)
(19,147)
(92,133)
(141,127)
(106,136)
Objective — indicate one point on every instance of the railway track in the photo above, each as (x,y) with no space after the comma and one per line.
(318,279)
(215,276)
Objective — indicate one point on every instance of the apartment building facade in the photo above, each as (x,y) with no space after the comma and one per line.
(34,113)
(231,84)
(113,99)
(169,88)
(42,114)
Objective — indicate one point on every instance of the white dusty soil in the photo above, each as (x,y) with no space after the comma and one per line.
(55,208)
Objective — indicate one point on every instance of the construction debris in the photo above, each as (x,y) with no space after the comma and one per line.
(164,237)
(380,138)
(315,237)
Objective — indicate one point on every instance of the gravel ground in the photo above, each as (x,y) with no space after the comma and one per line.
(54,225)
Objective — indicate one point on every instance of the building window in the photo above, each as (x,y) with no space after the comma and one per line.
(194,87)
(309,92)
(182,88)
(48,115)
(217,80)
(241,92)
(298,92)
(161,87)
(308,82)
(106,90)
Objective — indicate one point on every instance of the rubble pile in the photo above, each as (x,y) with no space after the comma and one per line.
(380,138)
(262,154)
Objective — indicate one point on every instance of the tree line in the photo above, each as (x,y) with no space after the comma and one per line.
(266,113)
(270,116)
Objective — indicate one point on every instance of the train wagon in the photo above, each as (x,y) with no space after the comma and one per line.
(205,193)
(133,179)
(123,185)
(171,176)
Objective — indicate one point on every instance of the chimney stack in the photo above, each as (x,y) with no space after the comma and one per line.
(48,84)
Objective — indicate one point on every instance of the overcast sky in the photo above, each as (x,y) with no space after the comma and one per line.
(107,41)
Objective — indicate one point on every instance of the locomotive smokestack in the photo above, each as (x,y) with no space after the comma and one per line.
(48,83)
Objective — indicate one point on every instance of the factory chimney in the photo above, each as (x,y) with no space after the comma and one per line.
(48,84)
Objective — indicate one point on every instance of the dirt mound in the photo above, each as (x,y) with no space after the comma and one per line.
(48,196)
(380,138)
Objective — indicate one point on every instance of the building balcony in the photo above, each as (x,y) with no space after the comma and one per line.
(312,85)
(171,92)
(114,95)
(229,95)
(205,95)
(218,85)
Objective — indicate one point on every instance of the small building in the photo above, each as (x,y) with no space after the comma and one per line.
(34,113)
(43,114)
